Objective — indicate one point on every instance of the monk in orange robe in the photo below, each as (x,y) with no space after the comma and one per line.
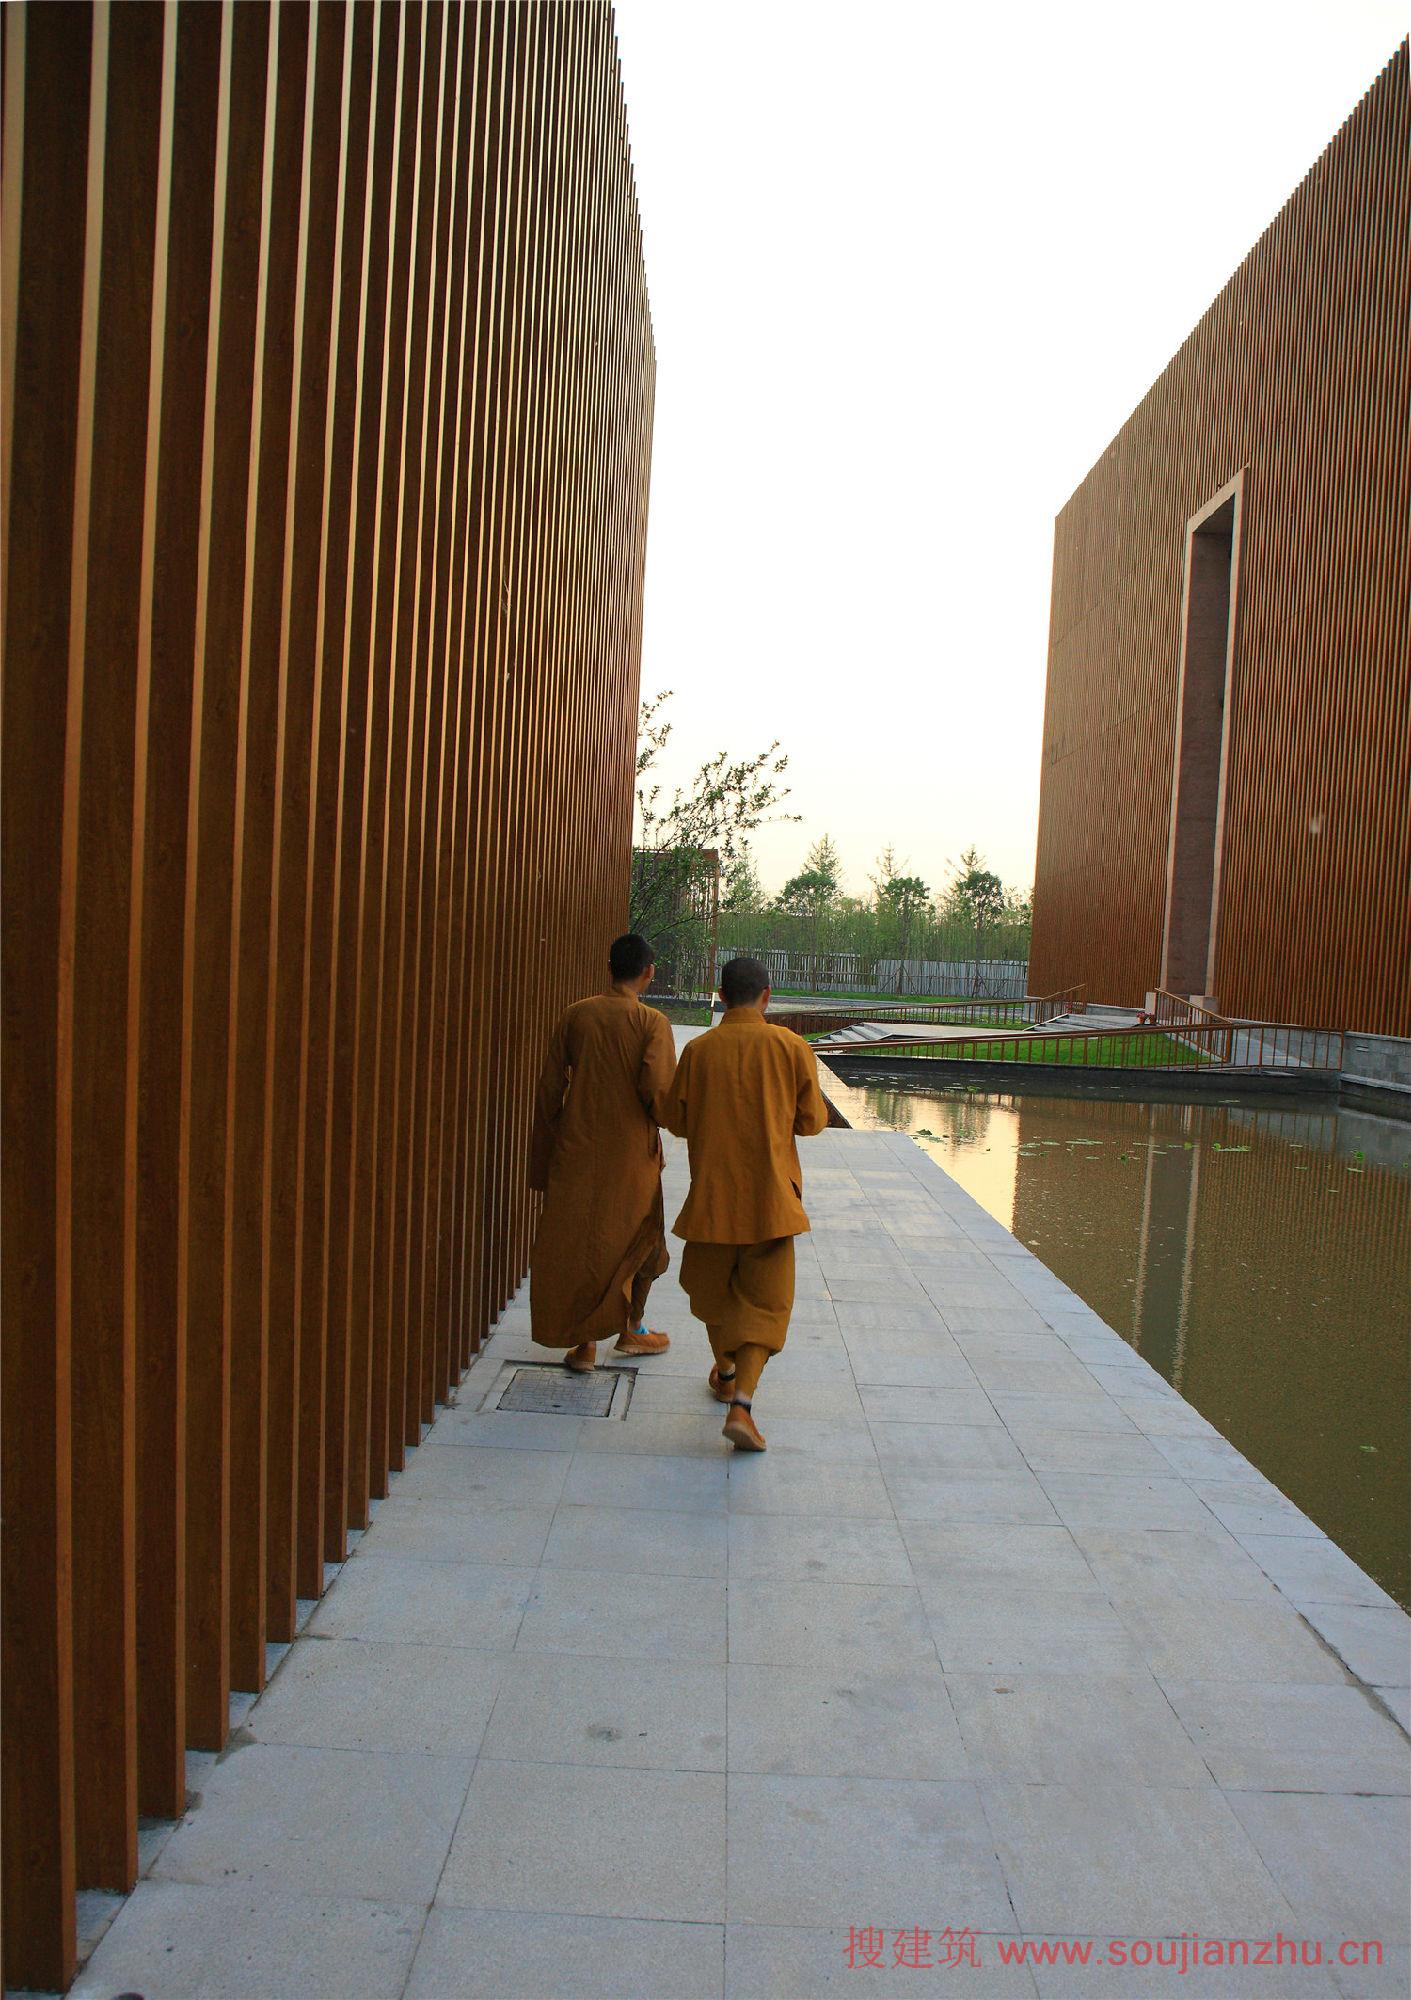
(595,1153)
(742,1094)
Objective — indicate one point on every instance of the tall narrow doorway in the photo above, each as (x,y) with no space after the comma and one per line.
(1198,787)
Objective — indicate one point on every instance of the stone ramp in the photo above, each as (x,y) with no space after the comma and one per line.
(999,1638)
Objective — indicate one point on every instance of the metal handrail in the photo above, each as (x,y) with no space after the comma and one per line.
(939,1013)
(1175,1008)
(1072,1000)
(1263,1046)
(820,1020)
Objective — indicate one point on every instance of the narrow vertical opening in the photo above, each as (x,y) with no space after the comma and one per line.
(1193,876)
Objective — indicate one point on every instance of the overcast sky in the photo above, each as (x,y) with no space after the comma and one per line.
(911,266)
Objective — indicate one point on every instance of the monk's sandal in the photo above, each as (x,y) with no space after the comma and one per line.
(640,1341)
(721,1386)
(742,1430)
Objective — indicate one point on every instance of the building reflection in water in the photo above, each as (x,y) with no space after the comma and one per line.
(1256,1250)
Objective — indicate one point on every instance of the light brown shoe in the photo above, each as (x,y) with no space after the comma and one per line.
(720,1386)
(643,1342)
(742,1430)
(583,1359)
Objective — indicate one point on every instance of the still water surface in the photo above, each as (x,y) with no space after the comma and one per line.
(1256,1250)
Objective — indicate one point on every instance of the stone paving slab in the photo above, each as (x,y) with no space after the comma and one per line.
(1000,1636)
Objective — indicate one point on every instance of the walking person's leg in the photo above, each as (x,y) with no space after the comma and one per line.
(637,1337)
(761,1300)
(705,1279)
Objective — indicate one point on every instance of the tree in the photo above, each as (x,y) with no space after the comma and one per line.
(887,867)
(683,839)
(809,895)
(976,895)
(812,894)
(900,900)
(743,889)
(824,859)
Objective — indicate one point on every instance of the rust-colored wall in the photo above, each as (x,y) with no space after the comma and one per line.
(328,379)
(1297,376)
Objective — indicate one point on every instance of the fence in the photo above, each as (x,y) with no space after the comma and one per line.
(855,972)
(328,377)
(985,978)
(863,950)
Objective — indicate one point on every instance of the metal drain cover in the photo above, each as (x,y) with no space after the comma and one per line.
(554,1391)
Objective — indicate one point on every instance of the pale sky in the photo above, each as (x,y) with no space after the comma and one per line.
(911,266)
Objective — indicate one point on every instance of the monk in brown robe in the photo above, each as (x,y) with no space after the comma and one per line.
(595,1152)
(741,1095)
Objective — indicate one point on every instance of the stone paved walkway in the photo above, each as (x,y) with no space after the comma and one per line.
(999,1636)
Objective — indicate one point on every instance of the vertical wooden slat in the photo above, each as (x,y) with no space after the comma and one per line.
(296,1237)
(508,675)
(518,1028)
(346,1429)
(403,740)
(266,1543)
(164,732)
(369,1428)
(322,1215)
(417,569)
(159,1342)
(289,782)
(442,476)
(489,447)
(231,454)
(108,569)
(103,1718)
(44,55)
(457,1248)
(460,410)
(456,1231)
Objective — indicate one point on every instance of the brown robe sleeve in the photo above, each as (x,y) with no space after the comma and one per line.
(658,1067)
(670,1107)
(811,1113)
(548,1103)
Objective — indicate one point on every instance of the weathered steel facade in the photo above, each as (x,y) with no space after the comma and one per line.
(328,378)
(1226,791)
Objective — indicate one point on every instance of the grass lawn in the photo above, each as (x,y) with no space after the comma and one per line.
(685,1013)
(1082,1052)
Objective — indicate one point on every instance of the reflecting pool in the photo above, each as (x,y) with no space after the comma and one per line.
(1256,1250)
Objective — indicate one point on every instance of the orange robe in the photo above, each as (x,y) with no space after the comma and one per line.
(741,1094)
(596,1154)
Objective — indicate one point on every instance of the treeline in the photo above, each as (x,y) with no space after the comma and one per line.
(695,889)
(971,936)
(890,936)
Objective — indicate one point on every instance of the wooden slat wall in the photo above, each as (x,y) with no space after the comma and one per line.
(1299,373)
(328,378)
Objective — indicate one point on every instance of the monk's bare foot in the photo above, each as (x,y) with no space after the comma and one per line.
(720,1385)
(641,1341)
(742,1430)
(581,1360)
